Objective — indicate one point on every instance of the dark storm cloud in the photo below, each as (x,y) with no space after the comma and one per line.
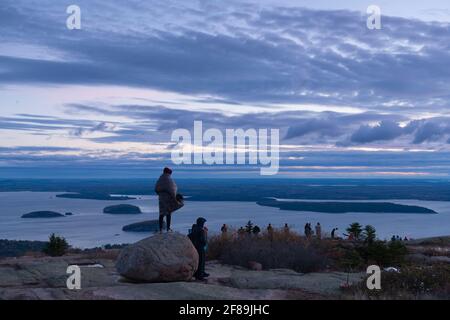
(156,122)
(429,130)
(263,55)
(385,130)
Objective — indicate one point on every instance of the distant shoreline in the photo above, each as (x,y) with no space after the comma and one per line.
(345,207)
(93,196)
(248,189)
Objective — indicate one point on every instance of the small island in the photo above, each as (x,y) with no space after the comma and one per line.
(93,196)
(122,209)
(43,214)
(344,207)
(144,226)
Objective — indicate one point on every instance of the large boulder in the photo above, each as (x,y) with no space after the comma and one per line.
(144,226)
(163,257)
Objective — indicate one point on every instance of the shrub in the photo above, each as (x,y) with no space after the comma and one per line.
(410,283)
(16,248)
(56,246)
(355,229)
(351,260)
(249,227)
(278,249)
(382,253)
(369,234)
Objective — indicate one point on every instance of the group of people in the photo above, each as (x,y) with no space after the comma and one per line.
(255,230)
(398,238)
(170,200)
(309,231)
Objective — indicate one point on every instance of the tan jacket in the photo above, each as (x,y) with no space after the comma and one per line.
(167,191)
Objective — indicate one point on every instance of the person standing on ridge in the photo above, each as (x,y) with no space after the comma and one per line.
(318,231)
(333,233)
(199,239)
(308,230)
(169,200)
(224,231)
(270,231)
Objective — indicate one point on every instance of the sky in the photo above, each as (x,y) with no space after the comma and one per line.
(104,100)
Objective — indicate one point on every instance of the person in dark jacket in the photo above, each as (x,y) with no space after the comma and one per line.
(199,239)
(333,233)
(308,230)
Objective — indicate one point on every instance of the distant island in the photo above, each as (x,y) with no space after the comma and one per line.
(43,214)
(144,226)
(93,196)
(122,209)
(344,207)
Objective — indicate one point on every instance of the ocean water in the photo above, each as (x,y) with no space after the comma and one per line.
(89,227)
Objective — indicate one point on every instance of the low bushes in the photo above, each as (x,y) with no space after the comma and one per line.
(56,246)
(412,282)
(282,248)
(381,253)
(277,249)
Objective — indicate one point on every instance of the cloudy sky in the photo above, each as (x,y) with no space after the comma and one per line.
(348,101)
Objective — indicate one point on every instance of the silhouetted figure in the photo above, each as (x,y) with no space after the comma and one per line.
(199,239)
(270,231)
(224,229)
(169,200)
(333,233)
(308,230)
(286,228)
(249,227)
(318,231)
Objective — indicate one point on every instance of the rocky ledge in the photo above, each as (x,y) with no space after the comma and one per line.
(158,267)
(45,279)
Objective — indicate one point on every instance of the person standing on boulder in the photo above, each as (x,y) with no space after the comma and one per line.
(169,200)
(198,237)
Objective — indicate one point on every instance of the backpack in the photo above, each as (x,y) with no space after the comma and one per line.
(191,233)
